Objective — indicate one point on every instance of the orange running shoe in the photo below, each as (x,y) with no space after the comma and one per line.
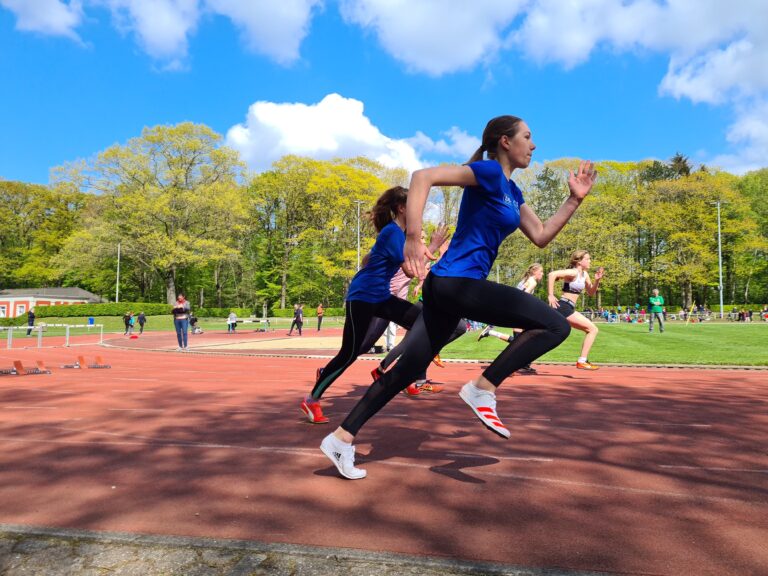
(430,388)
(586,366)
(312,411)
(412,390)
(438,362)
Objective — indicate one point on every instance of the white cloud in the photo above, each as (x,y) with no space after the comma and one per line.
(749,134)
(435,36)
(275,29)
(162,27)
(459,144)
(50,17)
(334,127)
(717,52)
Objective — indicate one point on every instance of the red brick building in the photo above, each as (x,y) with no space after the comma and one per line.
(17,301)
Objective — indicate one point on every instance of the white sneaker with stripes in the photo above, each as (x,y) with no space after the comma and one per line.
(483,404)
(343,457)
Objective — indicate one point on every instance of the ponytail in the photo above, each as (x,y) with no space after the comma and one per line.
(386,207)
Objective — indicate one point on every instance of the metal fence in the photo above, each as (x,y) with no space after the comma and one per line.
(50,335)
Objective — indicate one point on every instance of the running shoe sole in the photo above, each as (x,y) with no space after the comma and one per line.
(483,414)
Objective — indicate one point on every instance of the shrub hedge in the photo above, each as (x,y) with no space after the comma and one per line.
(120,308)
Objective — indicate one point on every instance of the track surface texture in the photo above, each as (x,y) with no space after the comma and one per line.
(622,470)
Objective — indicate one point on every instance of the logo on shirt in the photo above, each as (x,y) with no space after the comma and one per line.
(507,200)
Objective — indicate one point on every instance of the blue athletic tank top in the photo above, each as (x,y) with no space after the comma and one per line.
(489,212)
(371,283)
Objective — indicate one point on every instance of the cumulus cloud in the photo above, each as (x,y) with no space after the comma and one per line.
(334,127)
(49,17)
(162,27)
(434,36)
(749,135)
(457,143)
(273,29)
(717,52)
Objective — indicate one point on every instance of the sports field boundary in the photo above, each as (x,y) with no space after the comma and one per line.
(279,354)
(29,549)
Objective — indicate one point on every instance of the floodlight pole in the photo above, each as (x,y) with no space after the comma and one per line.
(117,282)
(358,202)
(719,258)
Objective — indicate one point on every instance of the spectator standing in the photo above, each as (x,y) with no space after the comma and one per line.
(180,313)
(142,320)
(656,310)
(320,312)
(298,319)
(127,322)
(231,322)
(30,321)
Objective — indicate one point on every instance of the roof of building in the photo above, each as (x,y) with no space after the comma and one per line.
(69,292)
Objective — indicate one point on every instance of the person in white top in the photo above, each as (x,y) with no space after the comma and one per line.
(575,281)
(528,284)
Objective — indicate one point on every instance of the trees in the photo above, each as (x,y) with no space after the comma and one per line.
(305,220)
(35,221)
(170,197)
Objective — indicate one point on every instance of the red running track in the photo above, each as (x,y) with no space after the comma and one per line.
(641,471)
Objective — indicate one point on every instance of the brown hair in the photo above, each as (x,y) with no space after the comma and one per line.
(576,257)
(531,269)
(385,209)
(494,130)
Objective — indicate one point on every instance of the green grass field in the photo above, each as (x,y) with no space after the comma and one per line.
(716,343)
(721,343)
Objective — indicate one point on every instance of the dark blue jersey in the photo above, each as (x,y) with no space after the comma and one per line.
(371,283)
(489,212)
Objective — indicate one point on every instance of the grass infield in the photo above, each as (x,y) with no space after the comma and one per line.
(716,343)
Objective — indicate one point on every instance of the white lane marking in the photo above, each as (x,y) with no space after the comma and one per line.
(516,458)
(715,469)
(30,407)
(652,423)
(136,409)
(315,453)
(664,493)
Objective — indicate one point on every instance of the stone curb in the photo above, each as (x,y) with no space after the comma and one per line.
(27,550)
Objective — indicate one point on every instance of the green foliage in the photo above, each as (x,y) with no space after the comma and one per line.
(109,309)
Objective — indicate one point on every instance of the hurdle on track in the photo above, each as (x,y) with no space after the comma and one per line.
(40,329)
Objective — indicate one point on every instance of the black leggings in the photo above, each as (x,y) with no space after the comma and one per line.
(359,315)
(446,300)
(398,350)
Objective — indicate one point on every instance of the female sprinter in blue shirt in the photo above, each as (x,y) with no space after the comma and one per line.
(369,294)
(492,207)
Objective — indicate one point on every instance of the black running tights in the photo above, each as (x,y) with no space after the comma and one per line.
(359,316)
(446,300)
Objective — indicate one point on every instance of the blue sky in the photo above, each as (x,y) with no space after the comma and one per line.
(407,83)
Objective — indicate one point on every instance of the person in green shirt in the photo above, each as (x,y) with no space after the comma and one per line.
(656,309)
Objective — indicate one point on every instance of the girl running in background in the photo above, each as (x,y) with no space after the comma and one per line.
(576,280)
(528,284)
(492,207)
(369,296)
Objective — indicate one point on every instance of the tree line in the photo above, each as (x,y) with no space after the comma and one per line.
(188,217)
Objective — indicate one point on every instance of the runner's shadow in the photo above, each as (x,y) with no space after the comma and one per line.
(401,442)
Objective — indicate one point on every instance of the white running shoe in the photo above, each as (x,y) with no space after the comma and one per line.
(483,404)
(484,332)
(343,457)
